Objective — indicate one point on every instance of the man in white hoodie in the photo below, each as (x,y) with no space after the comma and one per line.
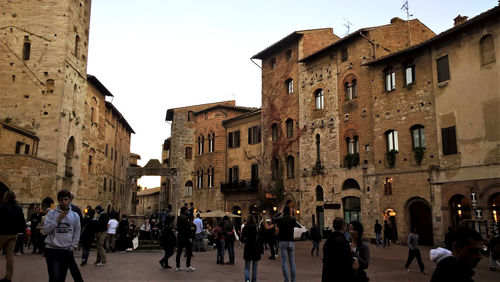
(62,226)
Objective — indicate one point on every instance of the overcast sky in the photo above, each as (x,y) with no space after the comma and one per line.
(154,55)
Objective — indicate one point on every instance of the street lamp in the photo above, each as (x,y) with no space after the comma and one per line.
(275,209)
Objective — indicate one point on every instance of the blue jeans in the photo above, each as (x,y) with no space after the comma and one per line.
(254,263)
(220,251)
(230,249)
(378,239)
(287,249)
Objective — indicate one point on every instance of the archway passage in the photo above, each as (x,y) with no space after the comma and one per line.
(421,219)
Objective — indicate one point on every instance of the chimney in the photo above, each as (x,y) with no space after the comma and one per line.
(459,20)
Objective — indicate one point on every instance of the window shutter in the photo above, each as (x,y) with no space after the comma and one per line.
(449,140)
(443,69)
(237,139)
(230,174)
(259,134)
(236,172)
(230,140)
(250,135)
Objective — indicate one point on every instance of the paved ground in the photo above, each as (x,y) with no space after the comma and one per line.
(387,265)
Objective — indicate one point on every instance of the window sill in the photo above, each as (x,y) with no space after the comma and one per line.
(443,84)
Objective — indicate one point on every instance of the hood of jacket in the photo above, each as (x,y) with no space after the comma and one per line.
(439,254)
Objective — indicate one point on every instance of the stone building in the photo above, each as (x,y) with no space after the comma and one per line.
(280,111)
(458,73)
(55,119)
(242,187)
(147,201)
(197,150)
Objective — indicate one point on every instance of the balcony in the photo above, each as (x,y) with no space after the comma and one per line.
(250,185)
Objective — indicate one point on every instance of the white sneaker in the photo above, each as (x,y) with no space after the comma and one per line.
(179,269)
(190,269)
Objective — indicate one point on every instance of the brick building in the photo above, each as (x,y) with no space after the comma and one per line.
(197,150)
(56,121)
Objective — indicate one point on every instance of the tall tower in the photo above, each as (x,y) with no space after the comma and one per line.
(43,70)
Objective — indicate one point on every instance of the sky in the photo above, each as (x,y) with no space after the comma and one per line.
(154,55)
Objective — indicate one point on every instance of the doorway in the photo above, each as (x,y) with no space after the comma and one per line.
(421,219)
(320,215)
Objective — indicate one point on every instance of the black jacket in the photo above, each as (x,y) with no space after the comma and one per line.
(378,228)
(102,222)
(315,234)
(450,269)
(253,247)
(183,228)
(337,259)
(11,219)
(167,238)
(88,232)
(286,223)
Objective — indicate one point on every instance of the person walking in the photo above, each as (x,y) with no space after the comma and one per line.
(167,242)
(378,233)
(413,251)
(35,220)
(11,223)
(270,235)
(229,237)
(286,223)
(101,229)
(198,242)
(62,226)
(253,248)
(338,263)
(315,238)
(111,233)
(220,242)
(360,252)
(466,254)
(387,234)
(184,241)
(88,233)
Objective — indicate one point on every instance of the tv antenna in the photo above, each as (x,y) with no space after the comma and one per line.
(406,7)
(348,25)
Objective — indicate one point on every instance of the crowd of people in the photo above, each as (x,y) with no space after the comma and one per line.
(56,231)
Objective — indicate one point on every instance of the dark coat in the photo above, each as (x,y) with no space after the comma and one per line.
(315,234)
(88,232)
(363,255)
(286,223)
(167,238)
(183,228)
(11,219)
(102,222)
(450,269)
(337,259)
(250,236)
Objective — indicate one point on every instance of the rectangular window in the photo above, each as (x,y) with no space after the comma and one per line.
(106,150)
(392,140)
(254,135)
(111,155)
(390,81)
(409,75)
(234,139)
(189,153)
(443,69)
(19,145)
(104,185)
(449,140)
(344,54)
(255,171)
(26,149)
(230,143)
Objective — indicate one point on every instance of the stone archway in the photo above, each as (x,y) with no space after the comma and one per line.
(420,218)
(155,168)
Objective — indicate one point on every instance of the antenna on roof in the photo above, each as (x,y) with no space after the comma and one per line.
(348,25)
(406,7)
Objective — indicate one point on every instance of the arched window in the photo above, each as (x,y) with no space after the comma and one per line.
(318,97)
(188,189)
(274,132)
(350,88)
(290,167)
(352,145)
(70,150)
(212,171)
(350,183)
(199,178)
(289,86)
(289,128)
(318,145)
(201,140)
(319,193)
(274,168)
(460,209)
(210,177)
(211,142)
(418,136)
(487,49)
(77,45)
(392,140)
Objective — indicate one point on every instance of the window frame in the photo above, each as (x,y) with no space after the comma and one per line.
(392,140)
(289,86)
(289,128)
(319,99)
(449,140)
(487,44)
(390,80)
(410,67)
(443,74)
(419,137)
(274,132)
(290,167)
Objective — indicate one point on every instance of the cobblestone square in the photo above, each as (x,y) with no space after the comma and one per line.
(386,265)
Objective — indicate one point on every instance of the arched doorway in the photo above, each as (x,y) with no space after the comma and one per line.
(320,211)
(494,204)
(421,219)
(459,209)
(68,169)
